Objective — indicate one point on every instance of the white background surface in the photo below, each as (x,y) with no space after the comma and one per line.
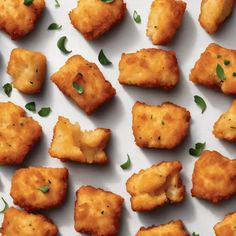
(191,40)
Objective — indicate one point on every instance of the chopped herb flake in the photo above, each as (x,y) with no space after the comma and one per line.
(44,189)
(226,62)
(220,72)
(54,26)
(7,89)
(5,205)
(103,59)
(137,17)
(61,45)
(28,2)
(199,148)
(234,74)
(200,102)
(194,234)
(78,88)
(57,4)
(127,164)
(45,111)
(107,1)
(31,106)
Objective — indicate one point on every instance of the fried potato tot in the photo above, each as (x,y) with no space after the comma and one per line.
(152,68)
(216,69)
(214,177)
(164,20)
(79,72)
(17,19)
(161,127)
(28,70)
(36,188)
(97,212)
(214,13)
(156,186)
(92,18)
(18,134)
(21,223)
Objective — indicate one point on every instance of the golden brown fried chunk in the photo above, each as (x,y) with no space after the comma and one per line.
(156,186)
(27,69)
(36,188)
(205,69)
(17,19)
(214,177)
(161,127)
(164,20)
(214,12)
(78,71)
(97,212)
(153,68)
(21,223)
(18,134)
(94,17)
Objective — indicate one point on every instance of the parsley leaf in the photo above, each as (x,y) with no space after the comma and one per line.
(234,74)
(57,4)
(31,106)
(220,72)
(200,102)
(61,45)
(45,111)
(44,188)
(103,59)
(107,1)
(137,17)
(28,2)
(194,234)
(226,62)
(199,148)
(78,88)
(54,26)
(7,89)
(127,164)
(5,205)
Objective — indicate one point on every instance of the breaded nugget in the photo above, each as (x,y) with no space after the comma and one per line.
(92,18)
(214,177)
(21,223)
(28,70)
(214,13)
(17,19)
(36,188)
(205,69)
(156,186)
(18,133)
(161,127)
(153,68)
(79,72)
(97,212)
(164,20)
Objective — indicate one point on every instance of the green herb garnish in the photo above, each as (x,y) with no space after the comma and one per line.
(136,17)
(234,74)
(44,188)
(226,62)
(54,26)
(127,164)
(7,89)
(57,4)
(31,106)
(45,111)
(78,88)
(28,2)
(194,234)
(220,72)
(199,147)
(5,205)
(61,45)
(107,1)
(200,102)
(103,59)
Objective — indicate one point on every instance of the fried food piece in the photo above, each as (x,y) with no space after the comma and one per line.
(79,72)
(21,223)
(152,68)
(156,186)
(214,177)
(97,212)
(28,70)
(36,188)
(92,18)
(18,133)
(214,13)
(164,20)
(205,69)
(161,127)
(17,19)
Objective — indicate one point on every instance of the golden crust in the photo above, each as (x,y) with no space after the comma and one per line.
(97,90)
(26,183)
(21,223)
(214,177)
(18,134)
(156,186)
(164,20)
(97,212)
(161,127)
(153,68)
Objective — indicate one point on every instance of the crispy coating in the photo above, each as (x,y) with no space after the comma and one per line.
(77,70)
(17,19)
(164,20)
(21,223)
(97,212)
(214,177)
(28,70)
(214,13)
(26,184)
(156,186)
(161,127)
(153,68)
(18,134)
(204,71)
(92,18)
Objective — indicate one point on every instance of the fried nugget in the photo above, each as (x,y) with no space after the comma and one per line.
(164,20)
(92,18)
(216,69)
(36,188)
(214,177)
(97,212)
(18,133)
(21,223)
(156,186)
(17,19)
(161,127)
(94,89)
(214,13)
(152,68)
